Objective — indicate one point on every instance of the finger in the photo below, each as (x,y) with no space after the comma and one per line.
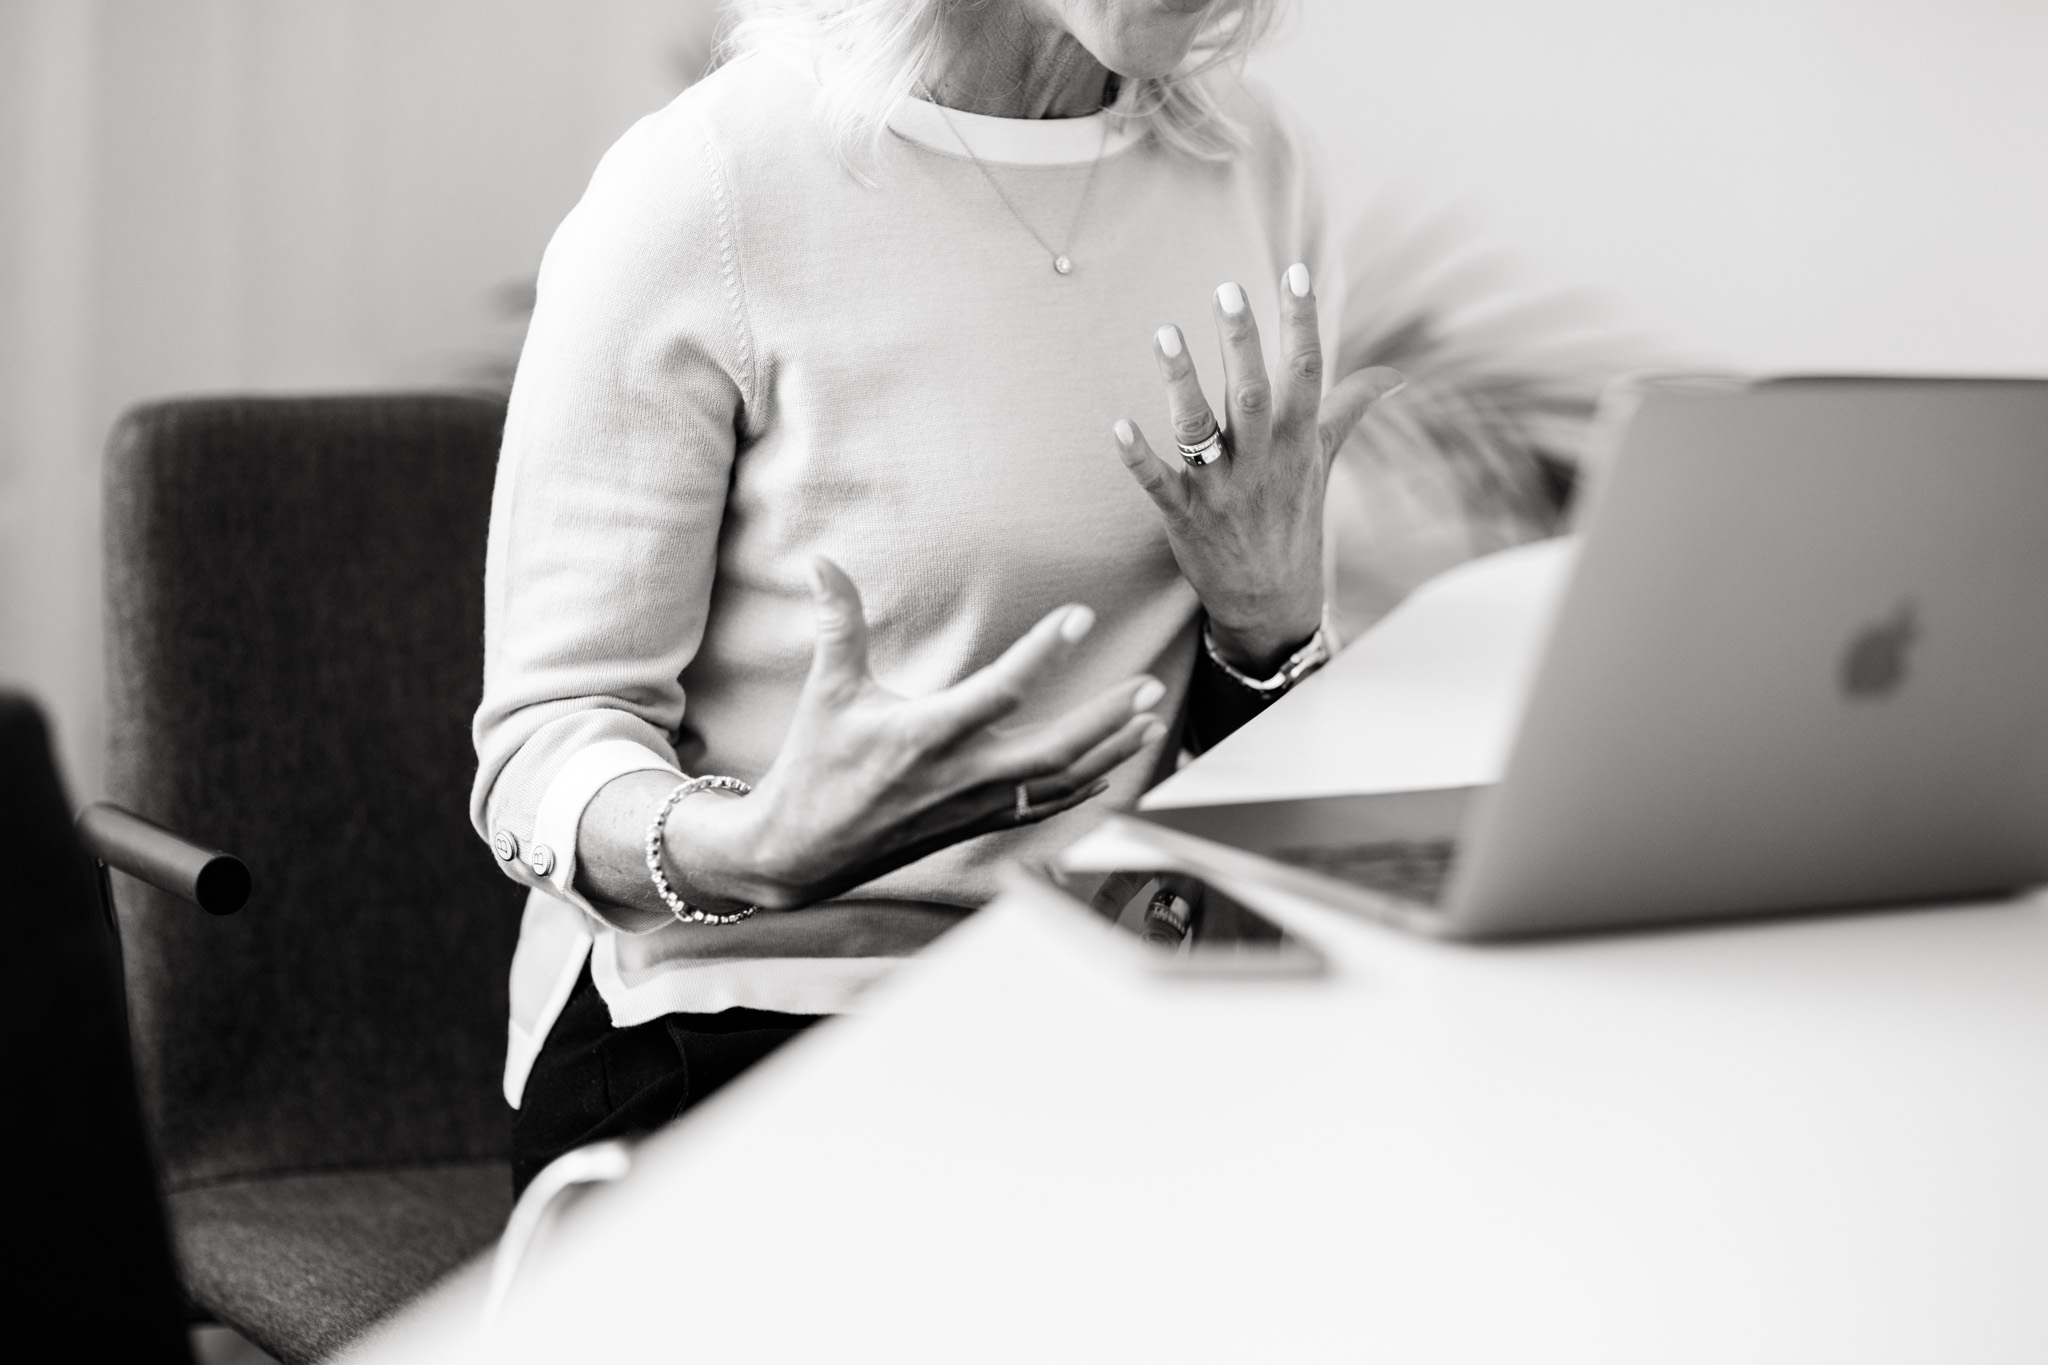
(1120,748)
(1301,377)
(1089,772)
(1050,803)
(1061,743)
(985,697)
(1192,418)
(1248,390)
(1349,401)
(841,652)
(1167,486)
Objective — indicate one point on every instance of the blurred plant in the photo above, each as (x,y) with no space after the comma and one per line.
(1481,451)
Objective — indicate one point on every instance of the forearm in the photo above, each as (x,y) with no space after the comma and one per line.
(1265,633)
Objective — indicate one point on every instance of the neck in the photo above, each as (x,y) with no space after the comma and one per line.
(1004,60)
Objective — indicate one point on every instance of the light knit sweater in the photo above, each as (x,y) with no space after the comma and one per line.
(742,357)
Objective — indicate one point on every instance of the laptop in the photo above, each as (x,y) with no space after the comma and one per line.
(1801,663)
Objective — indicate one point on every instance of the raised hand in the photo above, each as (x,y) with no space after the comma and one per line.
(869,780)
(1247,527)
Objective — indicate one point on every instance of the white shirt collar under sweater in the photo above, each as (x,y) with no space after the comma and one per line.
(1014,141)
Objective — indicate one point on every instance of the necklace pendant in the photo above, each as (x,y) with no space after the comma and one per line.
(1063,265)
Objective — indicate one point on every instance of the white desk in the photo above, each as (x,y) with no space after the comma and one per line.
(1804,1141)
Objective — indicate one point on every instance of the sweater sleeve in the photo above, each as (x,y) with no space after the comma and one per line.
(626,411)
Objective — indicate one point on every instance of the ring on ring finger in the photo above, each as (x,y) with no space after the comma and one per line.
(1208,450)
(1051,792)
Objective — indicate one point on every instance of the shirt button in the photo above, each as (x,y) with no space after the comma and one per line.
(507,845)
(541,860)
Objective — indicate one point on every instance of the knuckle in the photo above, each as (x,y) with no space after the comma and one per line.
(1004,690)
(1254,396)
(1306,366)
(1193,426)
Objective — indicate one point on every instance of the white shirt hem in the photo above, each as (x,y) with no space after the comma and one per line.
(787,985)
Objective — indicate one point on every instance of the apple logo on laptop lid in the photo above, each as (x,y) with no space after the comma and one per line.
(1874,664)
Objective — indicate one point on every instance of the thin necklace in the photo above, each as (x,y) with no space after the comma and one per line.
(1061,261)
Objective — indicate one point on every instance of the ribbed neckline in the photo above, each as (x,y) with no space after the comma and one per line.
(1012,141)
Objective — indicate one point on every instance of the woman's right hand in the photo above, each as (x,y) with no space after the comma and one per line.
(868,780)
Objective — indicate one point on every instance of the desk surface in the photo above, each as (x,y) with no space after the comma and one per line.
(1818,1139)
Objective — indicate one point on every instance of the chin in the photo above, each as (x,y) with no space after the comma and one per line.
(1138,39)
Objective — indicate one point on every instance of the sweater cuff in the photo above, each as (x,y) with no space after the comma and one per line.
(555,823)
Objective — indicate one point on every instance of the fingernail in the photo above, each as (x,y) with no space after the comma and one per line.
(1169,341)
(1098,789)
(1297,280)
(1148,694)
(816,573)
(1155,730)
(1231,298)
(1399,384)
(1124,433)
(1078,623)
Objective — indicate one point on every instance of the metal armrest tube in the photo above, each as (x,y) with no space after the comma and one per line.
(535,1214)
(216,882)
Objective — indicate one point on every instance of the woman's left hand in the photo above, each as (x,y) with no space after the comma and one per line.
(1247,529)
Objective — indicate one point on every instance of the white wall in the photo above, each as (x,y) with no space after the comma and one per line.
(1832,184)
(248,194)
(266,194)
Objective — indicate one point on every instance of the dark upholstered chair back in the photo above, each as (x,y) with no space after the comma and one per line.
(295,591)
(90,1255)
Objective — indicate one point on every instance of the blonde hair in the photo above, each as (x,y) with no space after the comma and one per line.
(871,54)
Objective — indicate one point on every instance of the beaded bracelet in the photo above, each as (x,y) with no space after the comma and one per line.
(684,912)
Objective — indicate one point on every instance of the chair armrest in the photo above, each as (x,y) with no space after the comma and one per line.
(558,1185)
(216,882)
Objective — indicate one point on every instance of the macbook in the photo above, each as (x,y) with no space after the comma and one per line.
(1802,662)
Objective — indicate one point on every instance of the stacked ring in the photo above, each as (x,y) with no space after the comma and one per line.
(1208,450)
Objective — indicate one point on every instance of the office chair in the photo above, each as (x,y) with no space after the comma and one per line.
(90,1261)
(295,618)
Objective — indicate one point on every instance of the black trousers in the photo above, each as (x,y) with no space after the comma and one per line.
(592,1081)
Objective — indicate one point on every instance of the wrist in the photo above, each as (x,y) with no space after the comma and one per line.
(1260,647)
(711,854)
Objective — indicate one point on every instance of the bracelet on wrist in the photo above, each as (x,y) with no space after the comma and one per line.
(1319,650)
(684,912)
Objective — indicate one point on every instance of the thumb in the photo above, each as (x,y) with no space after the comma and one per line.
(842,649)
(1350,399)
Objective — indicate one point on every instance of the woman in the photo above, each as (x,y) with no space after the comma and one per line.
(869,305)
